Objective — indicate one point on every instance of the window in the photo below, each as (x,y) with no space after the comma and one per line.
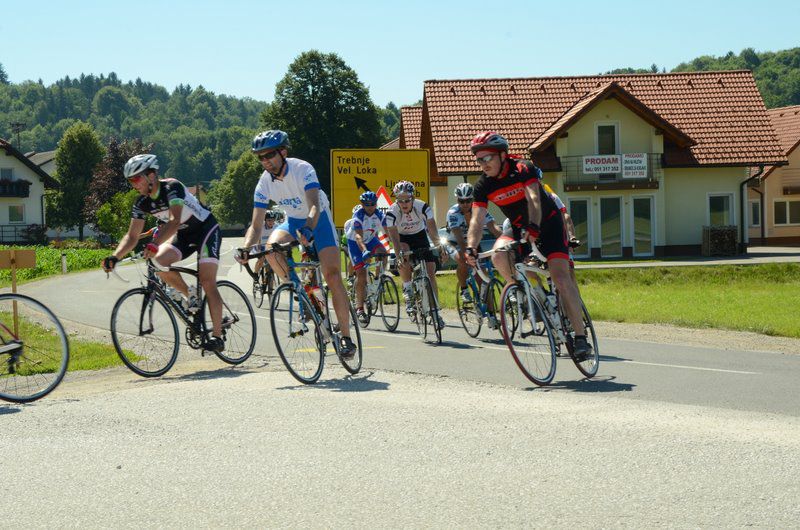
(610,227)
(642,226)
(787,212)
(606,139)
(579,212)
(720,210)
(755,213)
(16,213)
(6,173)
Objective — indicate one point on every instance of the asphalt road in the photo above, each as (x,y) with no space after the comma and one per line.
(449,435)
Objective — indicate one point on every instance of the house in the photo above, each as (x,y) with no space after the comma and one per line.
(774,204)
(22,186)
(642,161)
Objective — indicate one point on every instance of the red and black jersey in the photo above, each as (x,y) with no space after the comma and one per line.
(508,191)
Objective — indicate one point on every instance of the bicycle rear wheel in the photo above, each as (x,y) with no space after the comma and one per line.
(144,332)
(389,303)
(468,312)
(419,316)
(534,351)
(297,334)
(34,358)
(238,323)
(258,293)
(352,365)
(589,366)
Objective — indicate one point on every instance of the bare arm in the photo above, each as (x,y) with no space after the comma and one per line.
(394,237)
(493,229)
(432,231)
(360,239)
(475,224)
(534,204)
(170,228)
(129,240)
(312,199)
(253,234)
(458,235)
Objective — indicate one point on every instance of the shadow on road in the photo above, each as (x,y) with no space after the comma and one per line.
(595,385)
(220,373)
(9,409)
(362,382)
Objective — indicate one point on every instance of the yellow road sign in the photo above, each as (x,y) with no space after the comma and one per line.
(354,171)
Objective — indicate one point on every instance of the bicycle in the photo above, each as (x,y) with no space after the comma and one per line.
(264,281)
(381,295)
(145,331)
(537,317)
(424,302)
(34,349)
(484,298)
(303,320)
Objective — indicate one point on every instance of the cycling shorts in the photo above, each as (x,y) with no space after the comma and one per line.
(552,242)
(207,241)
(324,233)
(420,244)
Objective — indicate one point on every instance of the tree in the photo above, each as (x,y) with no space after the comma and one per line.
(114,217)
(3,75)
(78,153)
(108,178)
(390,122)
(231,197)
(322,105)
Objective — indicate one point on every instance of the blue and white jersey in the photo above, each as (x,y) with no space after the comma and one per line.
(266,232)
(413,222)
(369,225)
(456,219)
(290,193)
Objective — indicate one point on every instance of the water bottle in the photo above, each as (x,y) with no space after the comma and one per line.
(190,304)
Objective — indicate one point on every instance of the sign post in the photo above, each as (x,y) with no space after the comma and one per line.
(354,171)
(17,259)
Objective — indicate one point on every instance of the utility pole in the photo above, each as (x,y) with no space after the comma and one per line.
(16,127)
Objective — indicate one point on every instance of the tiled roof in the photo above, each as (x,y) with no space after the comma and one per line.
(410,127)
(722,112)
(391,144)
(786,122)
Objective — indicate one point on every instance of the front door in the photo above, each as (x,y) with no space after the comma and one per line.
(610,227)
(642,226)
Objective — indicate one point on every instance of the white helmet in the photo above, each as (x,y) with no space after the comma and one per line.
(464,191)
(403,187)
(138,164)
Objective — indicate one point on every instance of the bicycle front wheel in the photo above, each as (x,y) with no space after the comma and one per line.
(34,350)
(389,303)
(433,310)
(589,366)
(144,332)
(353,364)
(468,311)
(297,333)
(238,323)
(533,348)
(419,316)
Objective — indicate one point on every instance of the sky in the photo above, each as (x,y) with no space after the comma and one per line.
(243,48)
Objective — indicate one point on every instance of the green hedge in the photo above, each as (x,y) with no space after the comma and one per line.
(48,262)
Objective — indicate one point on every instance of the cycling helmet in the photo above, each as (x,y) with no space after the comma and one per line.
(270,140)
(271,214)
(279,215)
(368,196)
(139,163)
(464,191)
(356,208)
(402,187)
(488,141)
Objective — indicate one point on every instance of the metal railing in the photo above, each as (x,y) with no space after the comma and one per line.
(16,234)
(573,171)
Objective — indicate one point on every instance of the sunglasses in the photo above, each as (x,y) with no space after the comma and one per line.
(136,178)
(484,159)
(405,201)
(464,201)
(368,204)
(267,156)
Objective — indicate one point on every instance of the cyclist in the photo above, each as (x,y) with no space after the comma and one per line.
(514,185)
(407,221)
(362,242)
(270,218)
(458,218)
(343,242)
(293,185)
(185,225)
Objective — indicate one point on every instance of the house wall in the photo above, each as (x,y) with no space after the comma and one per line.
(32,203)
(772,187)
(635,135)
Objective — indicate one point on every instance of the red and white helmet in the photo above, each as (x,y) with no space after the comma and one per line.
(488,141)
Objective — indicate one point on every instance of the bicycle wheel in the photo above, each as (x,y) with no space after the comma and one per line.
(589,366)
(534,353)
(419,317)
(34,353)
(373,307)
(258,293)
(271,283)
(352,365)
(494,295)
(145,332)
(389,303)
(432,313)
(297,334)
(238,323)
(468,312)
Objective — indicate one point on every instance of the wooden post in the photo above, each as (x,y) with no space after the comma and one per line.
(13,259)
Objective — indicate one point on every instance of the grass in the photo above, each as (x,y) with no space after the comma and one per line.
(758,298)
(48,262)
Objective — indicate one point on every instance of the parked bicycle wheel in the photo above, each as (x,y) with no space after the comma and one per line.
(238,323)
(589,366)
(297,334)
(144,332)
(432,313)
(468,312)
(34,353)
(352,365)
(535,354)
(389,303)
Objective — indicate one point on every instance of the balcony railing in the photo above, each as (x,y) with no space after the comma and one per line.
(632,173)
(22,233)
(15,188)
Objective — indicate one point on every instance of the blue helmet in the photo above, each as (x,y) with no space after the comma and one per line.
(270,140)
(368,196)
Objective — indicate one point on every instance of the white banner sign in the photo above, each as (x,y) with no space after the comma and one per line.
(634,165)
(602,164)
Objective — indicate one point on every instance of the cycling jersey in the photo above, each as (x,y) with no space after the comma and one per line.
(556,199)
(508,192)
(456,219)
(413,222)
(266,232)
(290,193)
(369,225)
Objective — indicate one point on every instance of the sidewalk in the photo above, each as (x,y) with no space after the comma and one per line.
(755,255)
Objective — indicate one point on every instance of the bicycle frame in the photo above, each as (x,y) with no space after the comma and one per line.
(485,272)
(542,295)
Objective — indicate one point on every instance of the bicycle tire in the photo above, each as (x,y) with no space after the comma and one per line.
(534,354)
(419,312)
(373,308)
(293,319)
(471,319)
(495,294)
(31,365)
(139,353)
(272,282)
(388,295)
(433,310)
(589,366)
(351,365)
(258,292)
(238,323)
